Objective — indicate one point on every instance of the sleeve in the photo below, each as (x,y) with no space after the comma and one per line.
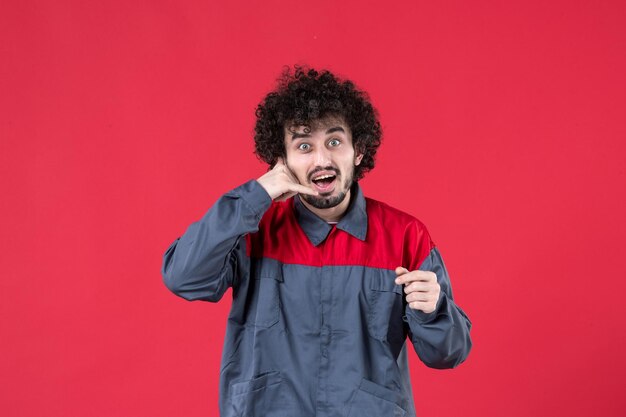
(441,339)
(203,262)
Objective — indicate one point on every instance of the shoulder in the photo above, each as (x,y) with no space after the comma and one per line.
(265,241)
(405,234)
(278,212)
(380,211)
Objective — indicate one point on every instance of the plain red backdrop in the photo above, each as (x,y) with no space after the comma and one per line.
(121,122)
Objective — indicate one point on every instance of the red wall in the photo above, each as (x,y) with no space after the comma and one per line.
(121,122)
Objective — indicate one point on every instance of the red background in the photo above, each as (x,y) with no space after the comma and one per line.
(122,122)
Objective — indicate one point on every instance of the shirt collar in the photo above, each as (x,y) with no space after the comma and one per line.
(354,221)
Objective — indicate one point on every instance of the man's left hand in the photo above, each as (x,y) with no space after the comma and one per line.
(421,288)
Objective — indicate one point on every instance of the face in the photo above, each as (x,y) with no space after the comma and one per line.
(322,157)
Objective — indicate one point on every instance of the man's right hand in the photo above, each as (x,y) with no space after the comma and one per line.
(281,184)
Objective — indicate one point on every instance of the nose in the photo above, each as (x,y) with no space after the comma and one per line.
(322,156)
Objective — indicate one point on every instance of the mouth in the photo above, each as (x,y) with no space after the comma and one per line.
(324,182)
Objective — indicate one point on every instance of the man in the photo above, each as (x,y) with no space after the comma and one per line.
(327,285)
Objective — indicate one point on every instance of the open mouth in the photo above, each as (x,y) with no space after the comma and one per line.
(324,182)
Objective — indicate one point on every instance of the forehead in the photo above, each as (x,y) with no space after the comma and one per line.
(315,125)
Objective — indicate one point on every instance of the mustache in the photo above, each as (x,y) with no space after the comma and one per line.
(319,169)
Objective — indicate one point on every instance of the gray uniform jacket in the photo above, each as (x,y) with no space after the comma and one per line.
(317,325)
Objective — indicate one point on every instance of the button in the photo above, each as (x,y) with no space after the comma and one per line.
(325,336)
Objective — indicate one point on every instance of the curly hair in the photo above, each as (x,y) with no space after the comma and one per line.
(306,95)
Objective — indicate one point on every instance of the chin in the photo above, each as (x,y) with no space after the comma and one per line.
(325,202)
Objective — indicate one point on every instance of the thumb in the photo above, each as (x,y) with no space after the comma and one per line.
(401,271)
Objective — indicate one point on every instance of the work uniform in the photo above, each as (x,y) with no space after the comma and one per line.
(317,325)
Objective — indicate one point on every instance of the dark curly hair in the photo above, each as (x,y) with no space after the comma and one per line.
(305,95)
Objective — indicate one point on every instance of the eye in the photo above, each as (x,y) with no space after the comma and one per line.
(334,142)
(304,147)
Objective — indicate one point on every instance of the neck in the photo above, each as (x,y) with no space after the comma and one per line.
(333,214)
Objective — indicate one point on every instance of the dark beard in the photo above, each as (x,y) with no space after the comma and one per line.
(324,202)
(327,202)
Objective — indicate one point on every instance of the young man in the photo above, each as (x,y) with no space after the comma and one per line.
(327,285)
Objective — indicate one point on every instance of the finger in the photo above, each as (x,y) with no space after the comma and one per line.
(419,296)
(426,307)
(290,174)
(417,275)
(401,270)
(405,276)
(418,286)
(283,168)
(285,196)
(301,189)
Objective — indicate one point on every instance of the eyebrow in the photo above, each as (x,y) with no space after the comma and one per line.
(335,129)
(296,135)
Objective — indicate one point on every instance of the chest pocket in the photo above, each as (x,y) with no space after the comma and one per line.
(263,309)
(386,306)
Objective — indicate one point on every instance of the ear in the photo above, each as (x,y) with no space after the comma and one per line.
(357,159)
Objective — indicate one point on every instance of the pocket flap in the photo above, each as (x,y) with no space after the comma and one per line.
(268,268)
(373,400)
(385,282)
(381,392)
(260,381)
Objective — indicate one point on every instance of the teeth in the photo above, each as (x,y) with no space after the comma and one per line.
(323,177)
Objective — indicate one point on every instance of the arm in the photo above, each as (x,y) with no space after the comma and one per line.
(202,264)
(441,337)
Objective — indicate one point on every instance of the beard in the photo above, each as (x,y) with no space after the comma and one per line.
(322,202)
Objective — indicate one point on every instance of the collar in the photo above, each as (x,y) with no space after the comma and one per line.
(354,221)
